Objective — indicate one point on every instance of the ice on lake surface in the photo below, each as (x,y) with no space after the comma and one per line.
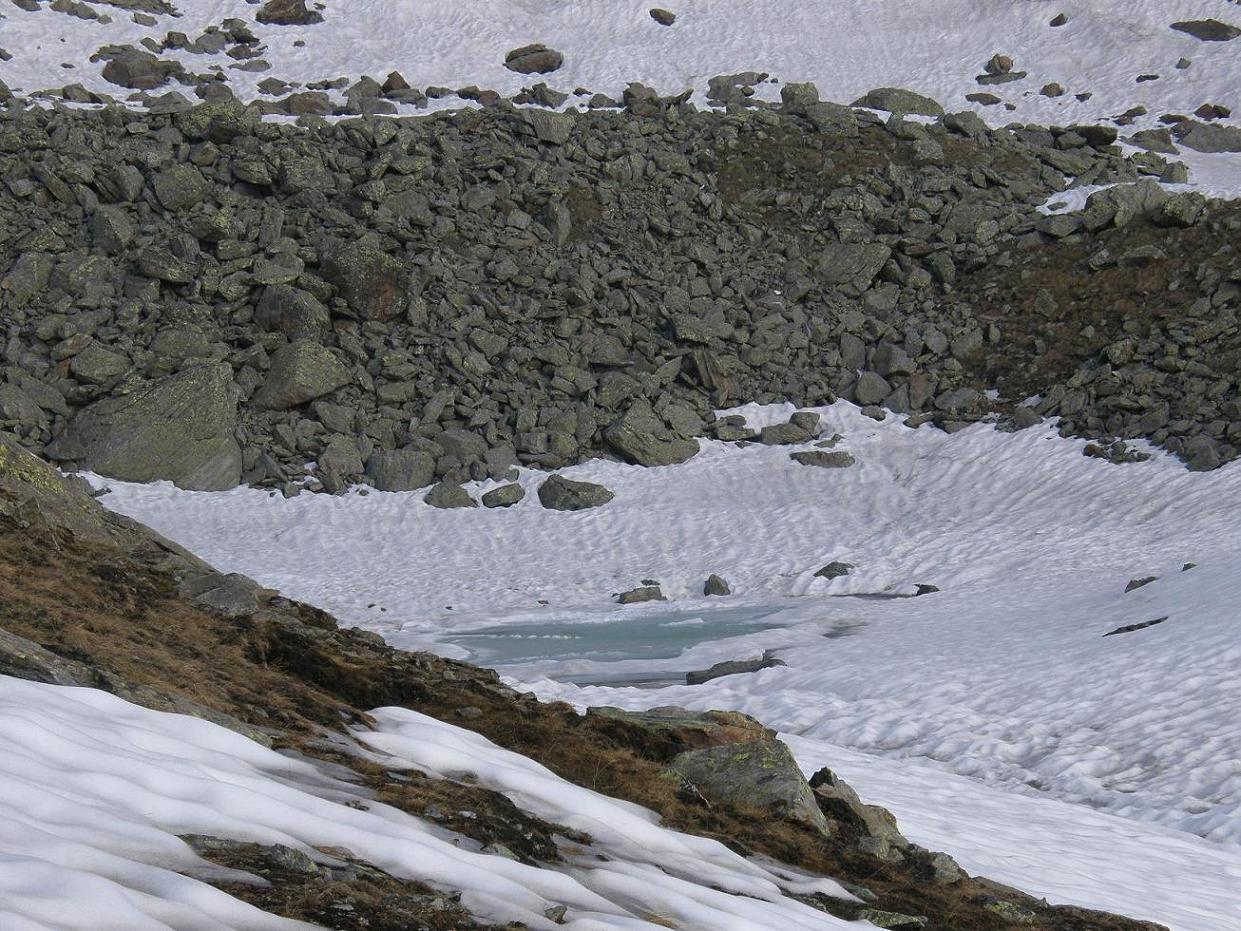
(652,635)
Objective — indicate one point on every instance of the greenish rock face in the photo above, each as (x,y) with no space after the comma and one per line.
(401,469)
(503,497)
(641,437)
(562,494)
(449,495)
(300,371)
(899,100)
(178,429)
(757,772)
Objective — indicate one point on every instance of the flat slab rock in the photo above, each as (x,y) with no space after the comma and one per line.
(823,459)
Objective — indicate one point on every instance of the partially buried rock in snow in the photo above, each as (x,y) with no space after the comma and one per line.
(834,570)
(561,494)
(449,495)
(663,17)
(504,497)
(899,100)
(533,59)
(823,459)
(1207,30)
(715,585)
(641,594)
(732,668)
(287,13)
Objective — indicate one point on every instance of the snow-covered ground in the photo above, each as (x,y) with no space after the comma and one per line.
(94,791)
(937,47)
(1004,676)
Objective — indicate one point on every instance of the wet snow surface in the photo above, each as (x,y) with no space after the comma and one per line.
(1004,676)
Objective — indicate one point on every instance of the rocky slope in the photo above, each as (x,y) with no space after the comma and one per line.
(91,599)
(204,297)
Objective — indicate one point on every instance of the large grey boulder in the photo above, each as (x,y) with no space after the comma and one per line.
(373,283)
(642,437)
(899,100)
(400,469)
(561,494)
(300,371)
(757,773)
(179,429)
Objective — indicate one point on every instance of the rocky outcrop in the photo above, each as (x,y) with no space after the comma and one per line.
(429,273)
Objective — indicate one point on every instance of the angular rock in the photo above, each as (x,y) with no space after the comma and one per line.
(732,668)
(716,585)
(178,429)
(641,594)
(400,469)
(561,494)
(823,459)
(851,263)
(784,434)
(839,802)
(642,438)
(504,497)
(758,773)
(1207,30)
(533,59)
(287,13)
(449,495)
(300,371)
(96,365)
(373,283)
(899,100)
(294,312)
(834,570)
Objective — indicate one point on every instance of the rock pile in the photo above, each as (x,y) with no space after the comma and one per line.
(208,298)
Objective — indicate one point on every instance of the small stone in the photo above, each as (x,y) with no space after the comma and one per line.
(1138,583)
(836,459)
(561,494)
(835,570)
(504,497)
(1058,20)
(715,585)
(533,59)
(449,495)
(641,594)
(663,17)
